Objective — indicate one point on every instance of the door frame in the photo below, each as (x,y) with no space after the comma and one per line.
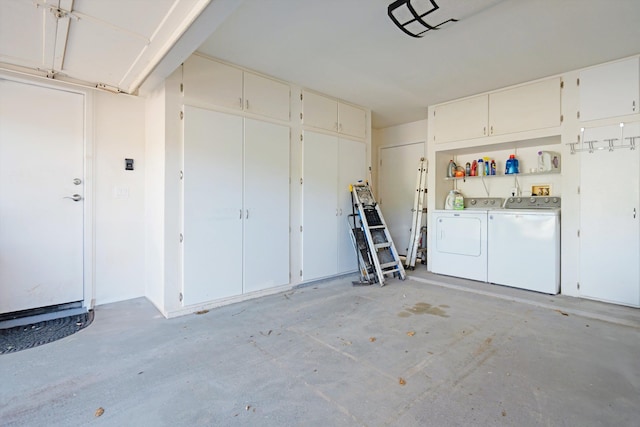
(88,243)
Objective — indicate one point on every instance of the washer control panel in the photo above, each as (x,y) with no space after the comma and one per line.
(533,202)
(483,203)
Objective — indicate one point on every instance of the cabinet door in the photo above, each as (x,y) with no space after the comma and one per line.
(208,82)
(320,172)
(458,120)
(266,205)
(212,205)
(266,97)
(529,107)
(319,111)
(352,120)
(609,221)
(352,167)
(610,90)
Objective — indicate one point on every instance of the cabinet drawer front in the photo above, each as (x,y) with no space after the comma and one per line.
(352,120)
(319,111)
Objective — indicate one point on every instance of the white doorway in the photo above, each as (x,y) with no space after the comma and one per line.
(41,197)
(397,184)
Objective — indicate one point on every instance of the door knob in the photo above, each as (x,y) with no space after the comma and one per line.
(75,197)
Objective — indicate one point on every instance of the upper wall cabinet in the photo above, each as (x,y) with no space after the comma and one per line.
(330,114)
(458,120)
(522,108)
(610,90)
(212,83)
(529,107)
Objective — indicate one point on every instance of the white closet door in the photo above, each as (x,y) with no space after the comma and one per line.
(212,205)
(397,189)
(352,168)
(320,172)
(609,221)
(266,204)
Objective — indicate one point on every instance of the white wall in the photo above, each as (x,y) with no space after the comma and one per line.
(119,197)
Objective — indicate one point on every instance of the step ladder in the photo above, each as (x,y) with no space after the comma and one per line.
(380,246)
(417,218)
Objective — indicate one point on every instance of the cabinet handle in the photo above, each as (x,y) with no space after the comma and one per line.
(340,212)
(484,130)
(247,102)
(491,130)
(247,217)
(240,213)
(634,105)
(240,102)
(634,213)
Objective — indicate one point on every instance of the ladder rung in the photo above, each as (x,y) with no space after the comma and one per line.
(382,245)
(389,264)
(376,227)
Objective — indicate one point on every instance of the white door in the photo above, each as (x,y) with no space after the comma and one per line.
(266,205)
(397,184)
(609,216)
(352,167)
(319,206)
(41,226)
(212,205)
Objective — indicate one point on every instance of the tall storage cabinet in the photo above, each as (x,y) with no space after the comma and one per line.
(330,164)
(236,205)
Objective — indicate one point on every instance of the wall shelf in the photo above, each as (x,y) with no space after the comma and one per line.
(552,172)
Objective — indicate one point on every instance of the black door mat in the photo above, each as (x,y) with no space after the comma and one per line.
(28,336)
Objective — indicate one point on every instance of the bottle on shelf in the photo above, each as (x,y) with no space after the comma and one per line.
(467,169)
(511,166)
(474,168)
(481,169)
(451,169)
(493,167)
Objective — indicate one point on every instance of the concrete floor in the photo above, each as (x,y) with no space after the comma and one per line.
(430,351)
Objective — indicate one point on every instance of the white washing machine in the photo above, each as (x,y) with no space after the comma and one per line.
(459,243)
(524,244)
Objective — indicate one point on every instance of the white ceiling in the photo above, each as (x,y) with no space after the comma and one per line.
(349,49)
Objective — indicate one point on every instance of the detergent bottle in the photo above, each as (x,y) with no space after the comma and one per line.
(451,169)
(474,168)
(481,169)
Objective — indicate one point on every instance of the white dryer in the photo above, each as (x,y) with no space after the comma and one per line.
(459,243)
(524,244)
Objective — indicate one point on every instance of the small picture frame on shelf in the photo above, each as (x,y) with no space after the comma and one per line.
(541,190)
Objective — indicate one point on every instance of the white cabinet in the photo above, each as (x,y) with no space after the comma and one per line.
(236,205)
(610,90)
(330,114)
(459,120)
(609,220)
(209,83)
(330,164)
(528,107)
(522,108)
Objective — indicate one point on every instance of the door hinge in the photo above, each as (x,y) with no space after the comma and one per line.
(301,181)
(181,115)
(561,84)
(181,175)
(578,285)
(300,228)
(301,138)
(180,297)
(561,118)
(300,96)
(300,273)
(578,233)
(578,114)
(181,237)
(578,189)
(434,113)
(181,87)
